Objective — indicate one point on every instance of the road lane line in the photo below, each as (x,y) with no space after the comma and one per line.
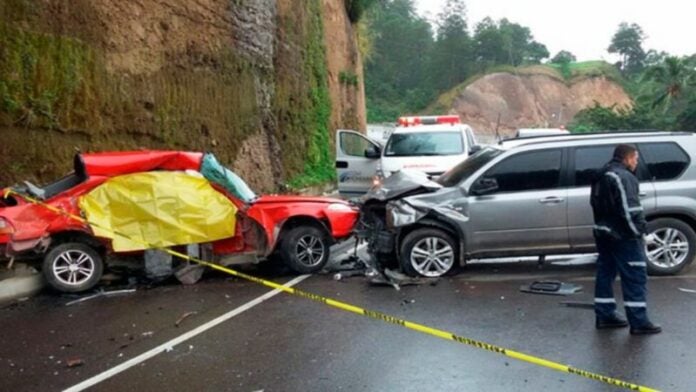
(178,340)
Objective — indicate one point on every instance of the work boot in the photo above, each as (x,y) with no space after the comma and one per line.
(647,329)
(613,322)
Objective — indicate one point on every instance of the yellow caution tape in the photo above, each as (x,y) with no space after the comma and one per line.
(378,315)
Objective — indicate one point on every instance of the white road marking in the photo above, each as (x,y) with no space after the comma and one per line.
(178,340)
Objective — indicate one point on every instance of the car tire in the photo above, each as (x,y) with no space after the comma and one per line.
(305,249)
(675,249)
(428,252)
(72,267)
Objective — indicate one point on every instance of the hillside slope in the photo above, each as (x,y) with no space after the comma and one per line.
(536,96)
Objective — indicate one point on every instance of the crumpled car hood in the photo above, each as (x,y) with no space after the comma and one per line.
(401,183)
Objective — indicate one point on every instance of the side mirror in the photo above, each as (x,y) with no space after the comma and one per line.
(474,149)
(484,186)
(373,152)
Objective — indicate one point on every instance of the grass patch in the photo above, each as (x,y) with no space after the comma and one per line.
(588,69)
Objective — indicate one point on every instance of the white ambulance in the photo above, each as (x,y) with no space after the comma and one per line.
(431,144)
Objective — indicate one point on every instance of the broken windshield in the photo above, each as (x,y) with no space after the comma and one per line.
(215,172)
(468,167)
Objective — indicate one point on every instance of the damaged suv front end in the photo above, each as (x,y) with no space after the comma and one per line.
(417,222)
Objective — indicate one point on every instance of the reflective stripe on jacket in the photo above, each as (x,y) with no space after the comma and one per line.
(616,204)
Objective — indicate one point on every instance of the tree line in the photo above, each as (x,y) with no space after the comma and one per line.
(662,87)
(409,61)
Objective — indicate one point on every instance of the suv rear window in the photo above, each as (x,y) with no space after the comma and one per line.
(666,161)
(424,143)
(588,160)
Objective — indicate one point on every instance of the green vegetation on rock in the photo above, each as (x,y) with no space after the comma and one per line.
(301,101)
(47,82)
(56,96)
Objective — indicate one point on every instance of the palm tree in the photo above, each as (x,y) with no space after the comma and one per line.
(673,76)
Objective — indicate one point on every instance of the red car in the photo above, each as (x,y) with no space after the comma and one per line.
(299,229)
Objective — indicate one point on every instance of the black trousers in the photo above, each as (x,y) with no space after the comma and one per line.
(627,258)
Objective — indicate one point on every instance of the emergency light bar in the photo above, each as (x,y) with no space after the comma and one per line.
(428,120)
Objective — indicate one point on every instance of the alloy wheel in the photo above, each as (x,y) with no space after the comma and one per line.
(432,257)
(310,250)
(73,267)
(670,249)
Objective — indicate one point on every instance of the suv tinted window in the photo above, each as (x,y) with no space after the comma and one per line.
(528,171)
(590,159)
(666,161)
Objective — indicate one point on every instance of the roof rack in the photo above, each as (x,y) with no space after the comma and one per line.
(592,135)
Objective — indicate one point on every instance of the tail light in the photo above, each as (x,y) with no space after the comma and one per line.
(5,227)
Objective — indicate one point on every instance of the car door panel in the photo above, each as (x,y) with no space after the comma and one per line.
(528,212)
(520,221)
(354,171)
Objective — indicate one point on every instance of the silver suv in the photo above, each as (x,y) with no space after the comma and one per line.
(530,197)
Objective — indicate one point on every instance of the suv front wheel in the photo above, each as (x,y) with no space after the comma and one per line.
(428,252)
(674,248)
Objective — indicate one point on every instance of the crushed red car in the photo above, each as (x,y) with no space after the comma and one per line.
(299,229)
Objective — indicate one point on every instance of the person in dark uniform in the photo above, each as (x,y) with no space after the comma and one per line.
(620,231)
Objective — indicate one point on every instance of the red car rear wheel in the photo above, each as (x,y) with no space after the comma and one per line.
(72,267)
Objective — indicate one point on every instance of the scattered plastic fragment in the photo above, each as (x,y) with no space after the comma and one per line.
(101,293)
(183,317)
(74,362)
(551,287)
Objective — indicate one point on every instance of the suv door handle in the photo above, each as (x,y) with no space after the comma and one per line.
(551,200)
(643,194)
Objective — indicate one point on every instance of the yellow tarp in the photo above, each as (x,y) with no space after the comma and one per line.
(160,208)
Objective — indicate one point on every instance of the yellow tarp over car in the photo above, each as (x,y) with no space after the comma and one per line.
(160,208)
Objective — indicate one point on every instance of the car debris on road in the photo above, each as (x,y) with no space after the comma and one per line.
(101,293)
(184,317)
(551,287)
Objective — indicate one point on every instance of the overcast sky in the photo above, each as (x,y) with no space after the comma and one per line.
(585,27)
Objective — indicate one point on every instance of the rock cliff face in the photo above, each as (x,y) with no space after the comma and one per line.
(528,100)
(261,83)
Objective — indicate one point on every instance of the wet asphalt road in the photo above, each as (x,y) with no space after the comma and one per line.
(293,344)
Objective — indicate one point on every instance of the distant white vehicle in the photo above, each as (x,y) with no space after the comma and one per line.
(532,132)
(380,132)
(430,144)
